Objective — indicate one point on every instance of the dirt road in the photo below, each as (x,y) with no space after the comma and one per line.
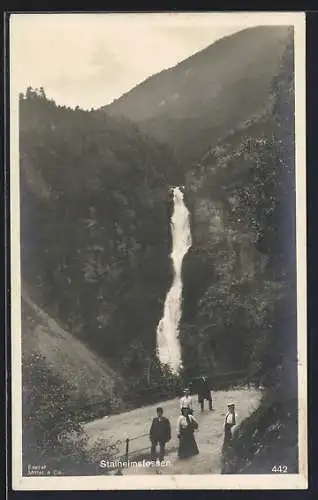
(209,436)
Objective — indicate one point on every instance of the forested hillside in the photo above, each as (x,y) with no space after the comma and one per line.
(95,227)
(192,104)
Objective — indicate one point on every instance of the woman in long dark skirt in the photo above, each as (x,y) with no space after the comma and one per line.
(229,424)
(186,426)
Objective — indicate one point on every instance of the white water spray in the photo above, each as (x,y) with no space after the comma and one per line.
(168,342)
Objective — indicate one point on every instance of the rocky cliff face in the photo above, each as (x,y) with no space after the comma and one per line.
(221,271)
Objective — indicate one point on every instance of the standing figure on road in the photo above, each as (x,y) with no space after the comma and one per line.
(204,392)
(229,423)
(186,401)
(160,433)
(186,425)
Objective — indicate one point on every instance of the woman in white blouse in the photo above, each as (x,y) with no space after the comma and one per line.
(186,401)
(186,425)
(229,423)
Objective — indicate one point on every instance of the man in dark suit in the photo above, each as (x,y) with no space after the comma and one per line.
(204,392)
(160,433)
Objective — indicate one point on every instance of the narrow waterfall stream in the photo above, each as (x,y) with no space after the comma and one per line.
(168,342)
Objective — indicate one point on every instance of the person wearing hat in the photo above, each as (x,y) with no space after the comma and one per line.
(186,401)
(229,423)
(204,392)
(186,425)
(227,450)
(160,433)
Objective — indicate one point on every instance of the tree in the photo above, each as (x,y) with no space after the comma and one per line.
(48,412)
(42,93)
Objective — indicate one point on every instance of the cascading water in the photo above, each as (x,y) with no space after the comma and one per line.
(168,342)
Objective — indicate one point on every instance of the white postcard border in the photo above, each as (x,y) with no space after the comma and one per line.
(164,482)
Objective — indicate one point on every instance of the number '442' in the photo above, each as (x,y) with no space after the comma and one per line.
(279,468)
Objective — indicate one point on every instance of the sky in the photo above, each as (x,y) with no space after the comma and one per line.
(91,59)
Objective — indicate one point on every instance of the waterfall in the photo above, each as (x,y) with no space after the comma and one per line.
(168,342)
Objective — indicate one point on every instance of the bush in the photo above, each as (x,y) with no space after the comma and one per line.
(52,432)
(157,383)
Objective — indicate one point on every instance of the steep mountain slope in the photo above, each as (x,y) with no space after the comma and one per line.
(191,105)
(90,378)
